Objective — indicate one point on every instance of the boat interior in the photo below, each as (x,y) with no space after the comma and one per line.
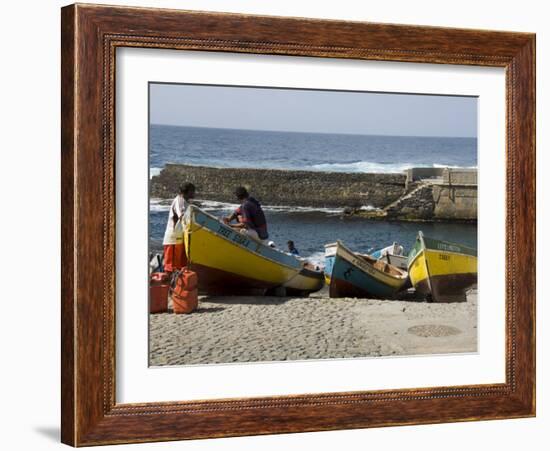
(383,266)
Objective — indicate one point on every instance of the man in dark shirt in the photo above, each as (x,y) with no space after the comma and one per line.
(250,215)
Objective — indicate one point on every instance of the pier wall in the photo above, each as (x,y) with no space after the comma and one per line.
(433,202)
(455,202)
(424,194)
(438,194)
(283,187)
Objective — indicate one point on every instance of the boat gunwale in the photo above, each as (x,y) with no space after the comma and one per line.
(472,251)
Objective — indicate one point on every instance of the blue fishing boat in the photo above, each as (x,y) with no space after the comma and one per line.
(360,275)
(330,254)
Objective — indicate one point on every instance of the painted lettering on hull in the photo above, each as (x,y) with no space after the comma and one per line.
(236,237)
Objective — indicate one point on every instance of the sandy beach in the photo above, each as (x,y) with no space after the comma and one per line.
(254,329)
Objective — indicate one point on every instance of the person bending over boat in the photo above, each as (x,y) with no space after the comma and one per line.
(174,249)
(250,216)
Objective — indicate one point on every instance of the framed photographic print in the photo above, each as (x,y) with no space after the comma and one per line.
(279,225)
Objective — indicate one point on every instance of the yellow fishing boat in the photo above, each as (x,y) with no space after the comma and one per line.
(229,262)
(440,270)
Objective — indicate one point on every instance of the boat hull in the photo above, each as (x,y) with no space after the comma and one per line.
(214,281)
(443,274)
(330,255)
(356,276)
(307,281)
(228,262)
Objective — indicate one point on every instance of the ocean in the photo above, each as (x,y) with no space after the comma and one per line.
(310,228)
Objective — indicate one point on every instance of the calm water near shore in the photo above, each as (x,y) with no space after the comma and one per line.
(310,230)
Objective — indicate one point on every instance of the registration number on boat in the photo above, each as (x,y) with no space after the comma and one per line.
(359,263)
(240,239)
(233,236)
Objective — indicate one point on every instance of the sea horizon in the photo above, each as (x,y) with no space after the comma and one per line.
(325,152)
(312,132)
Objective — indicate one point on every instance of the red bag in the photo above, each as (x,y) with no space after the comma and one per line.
(158,292)
(183,291)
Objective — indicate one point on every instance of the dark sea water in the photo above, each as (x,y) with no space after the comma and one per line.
(311,229)
(312,151)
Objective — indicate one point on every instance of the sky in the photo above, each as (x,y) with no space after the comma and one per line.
(312,111)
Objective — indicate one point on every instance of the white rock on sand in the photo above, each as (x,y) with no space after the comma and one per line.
(253,329)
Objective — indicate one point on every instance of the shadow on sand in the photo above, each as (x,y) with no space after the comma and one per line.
(246,300)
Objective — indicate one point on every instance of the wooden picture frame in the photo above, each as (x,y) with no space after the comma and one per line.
(90,36)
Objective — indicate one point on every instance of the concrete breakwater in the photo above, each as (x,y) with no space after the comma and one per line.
(425,194)
(283,187)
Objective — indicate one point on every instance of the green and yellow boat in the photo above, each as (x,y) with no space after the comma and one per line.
(440,270)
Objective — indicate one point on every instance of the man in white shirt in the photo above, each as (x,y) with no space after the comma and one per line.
(174,250)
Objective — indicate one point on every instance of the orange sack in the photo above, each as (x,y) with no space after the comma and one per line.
(186,302)
(184,291)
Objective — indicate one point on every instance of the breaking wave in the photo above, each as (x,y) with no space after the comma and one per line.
(317,258)
(154,171)
(373,167)
(160,205)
